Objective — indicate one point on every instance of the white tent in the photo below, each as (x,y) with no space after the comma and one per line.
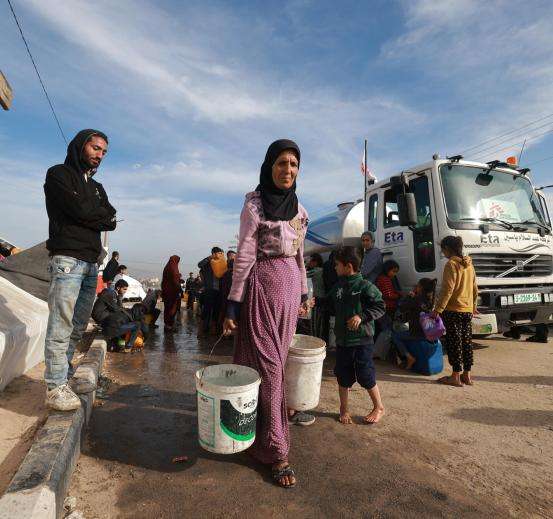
(23,320)
(135,292)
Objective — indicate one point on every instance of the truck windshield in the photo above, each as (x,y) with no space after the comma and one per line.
(473,194)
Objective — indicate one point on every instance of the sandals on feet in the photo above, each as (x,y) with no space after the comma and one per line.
(301,418)
(449,381)
(466,380)
(280,474)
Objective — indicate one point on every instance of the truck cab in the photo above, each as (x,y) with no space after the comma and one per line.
(502,218)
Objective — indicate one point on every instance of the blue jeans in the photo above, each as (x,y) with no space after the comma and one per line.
(70,300)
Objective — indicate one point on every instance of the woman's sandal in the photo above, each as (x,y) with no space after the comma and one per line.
(280,474)
(466,380)
(449,381)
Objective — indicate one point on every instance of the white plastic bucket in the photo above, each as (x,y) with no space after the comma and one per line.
(304,371)
(227,407)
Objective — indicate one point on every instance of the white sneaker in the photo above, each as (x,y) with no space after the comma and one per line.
(62,398)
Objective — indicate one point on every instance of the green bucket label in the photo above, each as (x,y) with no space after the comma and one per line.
(239,426)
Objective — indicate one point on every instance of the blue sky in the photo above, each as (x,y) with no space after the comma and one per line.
(191,94)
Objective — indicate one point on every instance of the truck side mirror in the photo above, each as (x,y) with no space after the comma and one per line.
(407,209)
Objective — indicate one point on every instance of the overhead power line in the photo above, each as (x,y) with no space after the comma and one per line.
(539,161)
(37,72)
(510,132)
(484,152)
(517,135)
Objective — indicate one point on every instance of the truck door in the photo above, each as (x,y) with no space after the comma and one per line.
(424,249)
(396,241)
(415,251)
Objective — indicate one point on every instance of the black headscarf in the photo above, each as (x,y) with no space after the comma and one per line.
(75,151)
(278,204)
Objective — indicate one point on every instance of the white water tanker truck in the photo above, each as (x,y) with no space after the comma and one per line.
(502,218)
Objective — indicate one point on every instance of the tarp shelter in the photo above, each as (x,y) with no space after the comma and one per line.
(28,270)
(23,321)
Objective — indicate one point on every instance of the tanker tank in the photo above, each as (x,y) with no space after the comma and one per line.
(341,227)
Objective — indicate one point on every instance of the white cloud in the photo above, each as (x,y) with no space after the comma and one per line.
(175,73)
(491,61)
(157,85)
(155,228)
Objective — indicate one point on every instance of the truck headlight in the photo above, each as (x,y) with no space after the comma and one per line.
(503,301)
(510,300)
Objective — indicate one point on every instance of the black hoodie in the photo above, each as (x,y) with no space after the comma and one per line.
(78,210)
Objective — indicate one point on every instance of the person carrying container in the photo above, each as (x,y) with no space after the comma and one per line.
(78,212)
(212,269)
(269,291)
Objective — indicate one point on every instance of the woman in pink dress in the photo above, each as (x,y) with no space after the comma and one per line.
(269,290)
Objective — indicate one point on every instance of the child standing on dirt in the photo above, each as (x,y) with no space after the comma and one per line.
(356,303)
(457,304)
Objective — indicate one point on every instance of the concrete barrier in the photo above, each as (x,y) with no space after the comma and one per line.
(38,489)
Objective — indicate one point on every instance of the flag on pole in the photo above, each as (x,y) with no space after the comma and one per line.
(365,168)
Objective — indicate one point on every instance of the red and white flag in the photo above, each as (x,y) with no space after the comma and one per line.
(365,168)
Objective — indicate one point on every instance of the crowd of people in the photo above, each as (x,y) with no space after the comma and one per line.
(354,298)
(258,294)
(206,291)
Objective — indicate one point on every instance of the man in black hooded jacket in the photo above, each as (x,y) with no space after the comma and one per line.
(78,211)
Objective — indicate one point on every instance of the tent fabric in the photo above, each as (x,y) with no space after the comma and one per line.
(28,270)
(135,290)
(23,321)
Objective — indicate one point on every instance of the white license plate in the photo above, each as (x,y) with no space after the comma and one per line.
(522,299)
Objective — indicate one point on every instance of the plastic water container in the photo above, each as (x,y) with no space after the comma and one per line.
(429,355)
(304,371)
(227,407)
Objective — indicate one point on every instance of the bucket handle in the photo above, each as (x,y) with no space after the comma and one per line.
(210,354)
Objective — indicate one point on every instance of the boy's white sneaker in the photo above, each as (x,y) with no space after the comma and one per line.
(62,398)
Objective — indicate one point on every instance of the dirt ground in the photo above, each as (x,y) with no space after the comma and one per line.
(22,413)
(478,451)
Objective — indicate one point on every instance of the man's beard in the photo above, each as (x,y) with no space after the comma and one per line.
(89,165)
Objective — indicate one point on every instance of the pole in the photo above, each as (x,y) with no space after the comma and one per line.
(521,150)
(366,220)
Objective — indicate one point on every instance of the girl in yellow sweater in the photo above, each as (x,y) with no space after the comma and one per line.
(457,304)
